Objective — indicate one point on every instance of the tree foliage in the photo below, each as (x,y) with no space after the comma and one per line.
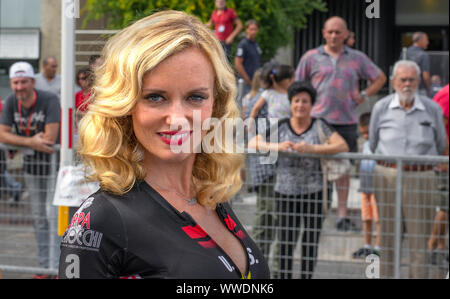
(277,19)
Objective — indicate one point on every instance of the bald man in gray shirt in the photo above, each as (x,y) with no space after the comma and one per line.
(406,123)
(49,80)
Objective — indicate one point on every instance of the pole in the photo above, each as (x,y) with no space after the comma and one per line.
(67,79)
(398,219)
(69,12)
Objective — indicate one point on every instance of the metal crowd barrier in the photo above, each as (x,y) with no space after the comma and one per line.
(276,223)
(300,238)
(27,213)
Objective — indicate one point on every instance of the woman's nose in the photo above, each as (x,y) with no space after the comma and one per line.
(177,116)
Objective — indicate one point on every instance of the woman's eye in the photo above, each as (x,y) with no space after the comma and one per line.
(154,97)
(197,97)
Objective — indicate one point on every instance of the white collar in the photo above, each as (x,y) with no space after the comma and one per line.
(417,104)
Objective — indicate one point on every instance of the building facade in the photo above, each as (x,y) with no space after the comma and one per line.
(383,27)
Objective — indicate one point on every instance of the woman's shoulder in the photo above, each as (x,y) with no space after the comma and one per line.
(323,123)
(280,125)
(96,211)
(105,209)
(283,122)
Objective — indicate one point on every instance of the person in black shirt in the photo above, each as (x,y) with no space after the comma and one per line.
(161,211)
(248,55)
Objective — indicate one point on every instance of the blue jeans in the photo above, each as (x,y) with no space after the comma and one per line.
(41,211)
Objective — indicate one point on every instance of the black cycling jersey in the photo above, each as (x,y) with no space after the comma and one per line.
(140,235)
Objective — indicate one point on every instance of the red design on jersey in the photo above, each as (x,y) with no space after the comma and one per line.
(207,244)
(240,234)
(230,223)
(136,276)
(232,226)
(196,232)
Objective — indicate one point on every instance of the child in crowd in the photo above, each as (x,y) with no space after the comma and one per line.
(369,212)
(436,85)
(249,100)
(277,81)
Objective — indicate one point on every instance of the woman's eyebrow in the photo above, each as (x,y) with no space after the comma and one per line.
(153,90)
(199,89)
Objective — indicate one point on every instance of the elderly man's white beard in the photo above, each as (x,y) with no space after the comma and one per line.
(406,95)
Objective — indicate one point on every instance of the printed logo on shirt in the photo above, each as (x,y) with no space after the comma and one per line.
(230,268)
(251,258)
(77,237)
(79,233)
(226,263)
(39,116)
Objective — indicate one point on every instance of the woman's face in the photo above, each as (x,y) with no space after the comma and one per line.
(301,105)
(163,118)
(83,80)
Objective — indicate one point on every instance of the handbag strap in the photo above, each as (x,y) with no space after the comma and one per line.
(322,138)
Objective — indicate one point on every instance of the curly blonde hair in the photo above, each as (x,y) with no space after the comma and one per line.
(107,143)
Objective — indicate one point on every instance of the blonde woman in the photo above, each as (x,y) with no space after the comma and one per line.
(160,213)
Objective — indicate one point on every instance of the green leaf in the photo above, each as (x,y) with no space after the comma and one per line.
(277,19)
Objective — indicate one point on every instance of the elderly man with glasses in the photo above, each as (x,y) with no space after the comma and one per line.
(406,123)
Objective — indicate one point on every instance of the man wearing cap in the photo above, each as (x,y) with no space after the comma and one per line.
(35,116)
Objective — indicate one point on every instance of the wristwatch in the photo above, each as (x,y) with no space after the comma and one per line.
(364,95)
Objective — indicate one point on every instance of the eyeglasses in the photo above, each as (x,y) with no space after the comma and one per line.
(82,78)
(410,80)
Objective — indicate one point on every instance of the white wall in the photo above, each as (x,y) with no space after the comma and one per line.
(20,13)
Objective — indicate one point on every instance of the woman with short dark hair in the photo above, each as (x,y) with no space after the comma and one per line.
(299,184)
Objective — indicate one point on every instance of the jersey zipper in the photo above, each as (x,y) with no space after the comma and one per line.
(221,215)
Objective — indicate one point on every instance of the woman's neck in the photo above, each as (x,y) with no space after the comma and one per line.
(170,175)
(300,124)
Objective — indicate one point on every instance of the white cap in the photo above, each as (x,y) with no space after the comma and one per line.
(21,70)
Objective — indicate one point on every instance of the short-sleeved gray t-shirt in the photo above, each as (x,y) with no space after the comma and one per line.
(422,59)
(296,176)
(53,86)
(45,111)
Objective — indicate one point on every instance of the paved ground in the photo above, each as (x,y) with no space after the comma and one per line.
(335,248)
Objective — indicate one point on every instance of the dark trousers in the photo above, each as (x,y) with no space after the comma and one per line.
(291,210)
(350,135)
(227,49)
